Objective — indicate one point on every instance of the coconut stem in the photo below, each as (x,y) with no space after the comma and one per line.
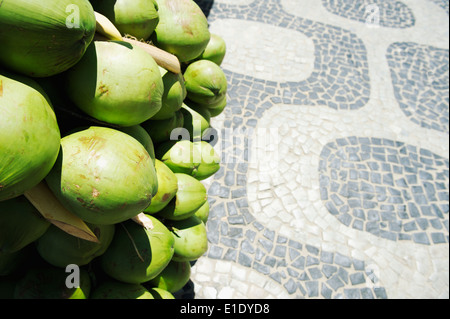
(144,221)
(51,209)
(106,30)
(164,59)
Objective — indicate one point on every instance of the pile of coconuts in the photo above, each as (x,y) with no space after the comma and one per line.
(116,140)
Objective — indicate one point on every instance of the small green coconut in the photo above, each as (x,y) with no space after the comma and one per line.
(20,224)
(167,188)
(137,18)
(203,212)
(113,289)
(215,50)
(195,122)
(197,159)
(182,30)
(191,195)
(174,95)
(137,254)
(206,83)
(60,249)
(174,277)
(48,282)
(191,240)
(161,130)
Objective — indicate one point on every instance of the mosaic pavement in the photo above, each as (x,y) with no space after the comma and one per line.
(334,143)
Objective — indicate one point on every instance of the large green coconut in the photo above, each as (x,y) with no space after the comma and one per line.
(20,224)
(116,82)
(43,38)
(48,282)
(174,277)
(113,289)
(198,159)
(191,241)
(137,18)
(137,254)
(60,249)
(206,83)
(167,188)
(140,134)
(191,195)
(174,95)
(182,29)
(161,130)
(29,135)
(103,175)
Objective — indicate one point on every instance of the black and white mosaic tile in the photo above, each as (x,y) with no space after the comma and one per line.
(444,4)
(388,189)
(385,13)
(340,78)
(420,79)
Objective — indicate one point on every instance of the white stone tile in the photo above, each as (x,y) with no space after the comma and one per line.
(209,293)
(226,293)
(223,267)
(257,40)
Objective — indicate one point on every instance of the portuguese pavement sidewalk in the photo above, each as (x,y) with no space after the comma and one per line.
(334,144)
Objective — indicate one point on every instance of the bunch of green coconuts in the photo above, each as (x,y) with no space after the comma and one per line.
(92,120)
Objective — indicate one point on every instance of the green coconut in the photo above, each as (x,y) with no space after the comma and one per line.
(206,83)
(203,212)
(48,282)
(182,29)
(116,82)
(103,176)
(217,109)
(68,116)
(29,135)
(211,110)
(60,249)
(140,134)
(191,241)
(161,130)
(174,95)
(137,254)
(43,38)
(191,195)
(195,122)
(9,263)
(198,159)
(215,50)
(159,293)
(174,277)
(20,224)
(137,18)
(167,188)
(113,289)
